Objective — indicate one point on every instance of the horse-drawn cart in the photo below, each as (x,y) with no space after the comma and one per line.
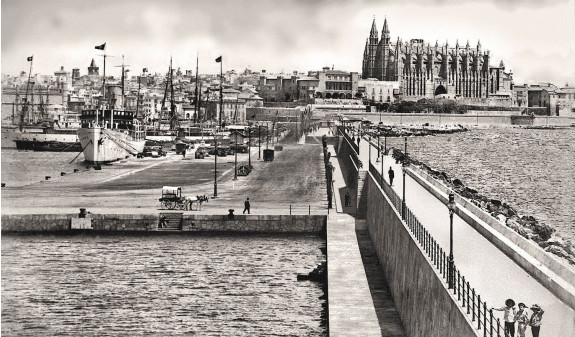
(172,197)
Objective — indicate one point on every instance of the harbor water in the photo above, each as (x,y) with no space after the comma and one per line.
(529,169)
(170,285)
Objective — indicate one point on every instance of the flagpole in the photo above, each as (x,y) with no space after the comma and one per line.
(221,91)
(197,96)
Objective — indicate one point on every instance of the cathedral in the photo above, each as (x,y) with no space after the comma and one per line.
(426,71)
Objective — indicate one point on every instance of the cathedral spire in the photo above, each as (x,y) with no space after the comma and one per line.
(373,32)
(385,28)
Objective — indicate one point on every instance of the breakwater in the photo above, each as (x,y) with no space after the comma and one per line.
(479,118)
(14,223)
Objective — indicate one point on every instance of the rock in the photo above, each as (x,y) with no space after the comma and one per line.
(502,218)
(471,190)
(543,230)
(495,202)
(557,251)
(457,182)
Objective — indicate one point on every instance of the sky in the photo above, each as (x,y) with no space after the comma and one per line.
(534,38)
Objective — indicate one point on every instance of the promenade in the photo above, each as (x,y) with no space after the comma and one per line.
(492,273)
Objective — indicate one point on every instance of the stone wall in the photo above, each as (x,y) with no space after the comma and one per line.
(484,223)
(424,303)
(471,119)
(149,222)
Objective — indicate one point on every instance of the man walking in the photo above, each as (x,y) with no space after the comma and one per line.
(391,176)
(246,206)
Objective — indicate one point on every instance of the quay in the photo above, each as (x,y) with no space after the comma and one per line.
(386,266)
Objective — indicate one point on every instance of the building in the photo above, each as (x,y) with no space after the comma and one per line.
(378,91)
(425,70)
(278,88)
(566,101)
(234,108)
(335,83)
(93,69)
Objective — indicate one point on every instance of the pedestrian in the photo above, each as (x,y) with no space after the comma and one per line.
(509,317)
(535,320)
(246,206)
(391,176)
(522,319)
(346,199)
(162,221)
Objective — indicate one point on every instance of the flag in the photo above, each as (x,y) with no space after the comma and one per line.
(30,58)
(219,59)
(145,70)
(101,47)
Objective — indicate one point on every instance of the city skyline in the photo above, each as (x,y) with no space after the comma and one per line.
(534,38)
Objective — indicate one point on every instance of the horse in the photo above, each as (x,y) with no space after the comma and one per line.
(200,199)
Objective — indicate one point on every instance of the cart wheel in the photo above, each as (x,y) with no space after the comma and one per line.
(172,204)
(165,204)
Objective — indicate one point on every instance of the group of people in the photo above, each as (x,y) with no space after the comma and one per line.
(521,316)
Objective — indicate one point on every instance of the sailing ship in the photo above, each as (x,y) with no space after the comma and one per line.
(43,127)
(111,132)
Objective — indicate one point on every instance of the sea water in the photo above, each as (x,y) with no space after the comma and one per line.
(164,285)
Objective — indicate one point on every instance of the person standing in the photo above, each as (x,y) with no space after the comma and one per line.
(391,176)
(346,199)
(535,320)
(522,319)
(246,206)
(509,317)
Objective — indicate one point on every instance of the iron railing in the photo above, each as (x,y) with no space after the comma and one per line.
(470,300)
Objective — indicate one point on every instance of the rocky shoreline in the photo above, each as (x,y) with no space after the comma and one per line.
(525,225)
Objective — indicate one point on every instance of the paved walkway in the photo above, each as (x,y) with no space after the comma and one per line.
(360,303)
(493,274)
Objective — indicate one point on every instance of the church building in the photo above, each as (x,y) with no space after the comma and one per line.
(427,71)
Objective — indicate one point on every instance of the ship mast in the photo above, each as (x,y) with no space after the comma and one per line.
(197,92)
(25,107)
(173,115)
(165,94)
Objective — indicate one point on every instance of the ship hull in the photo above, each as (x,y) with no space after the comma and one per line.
(104,145)
(48,142)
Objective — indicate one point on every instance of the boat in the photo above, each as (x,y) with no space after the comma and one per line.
(49,139)
(109,135)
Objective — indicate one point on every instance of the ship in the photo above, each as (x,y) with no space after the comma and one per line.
(111,132)
(108,135)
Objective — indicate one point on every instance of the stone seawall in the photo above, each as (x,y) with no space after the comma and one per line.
(149,222)
(415,284)
(470,119)
(515,246)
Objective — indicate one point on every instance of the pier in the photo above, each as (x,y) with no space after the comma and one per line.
(387,267)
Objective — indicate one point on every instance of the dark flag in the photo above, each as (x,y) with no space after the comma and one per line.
(30,58)
(101,47)
(219,59)
(145,70)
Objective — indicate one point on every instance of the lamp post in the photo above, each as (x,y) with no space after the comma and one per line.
(259,142)
(378,146)
(450,272)
(250,147)
(267,135)
(236,158)
(403,168)
(215,166)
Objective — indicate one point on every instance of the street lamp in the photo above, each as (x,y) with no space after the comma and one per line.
(250,147)
(215,166)
(259,142)
(404,166)
(236,157)
(450,272)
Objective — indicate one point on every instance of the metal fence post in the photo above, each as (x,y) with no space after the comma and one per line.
(290,209)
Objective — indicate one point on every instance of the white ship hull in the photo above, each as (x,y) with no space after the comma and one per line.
(102,145)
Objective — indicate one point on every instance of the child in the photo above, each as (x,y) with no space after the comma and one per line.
(508,317)
(522,319)
(535,320)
